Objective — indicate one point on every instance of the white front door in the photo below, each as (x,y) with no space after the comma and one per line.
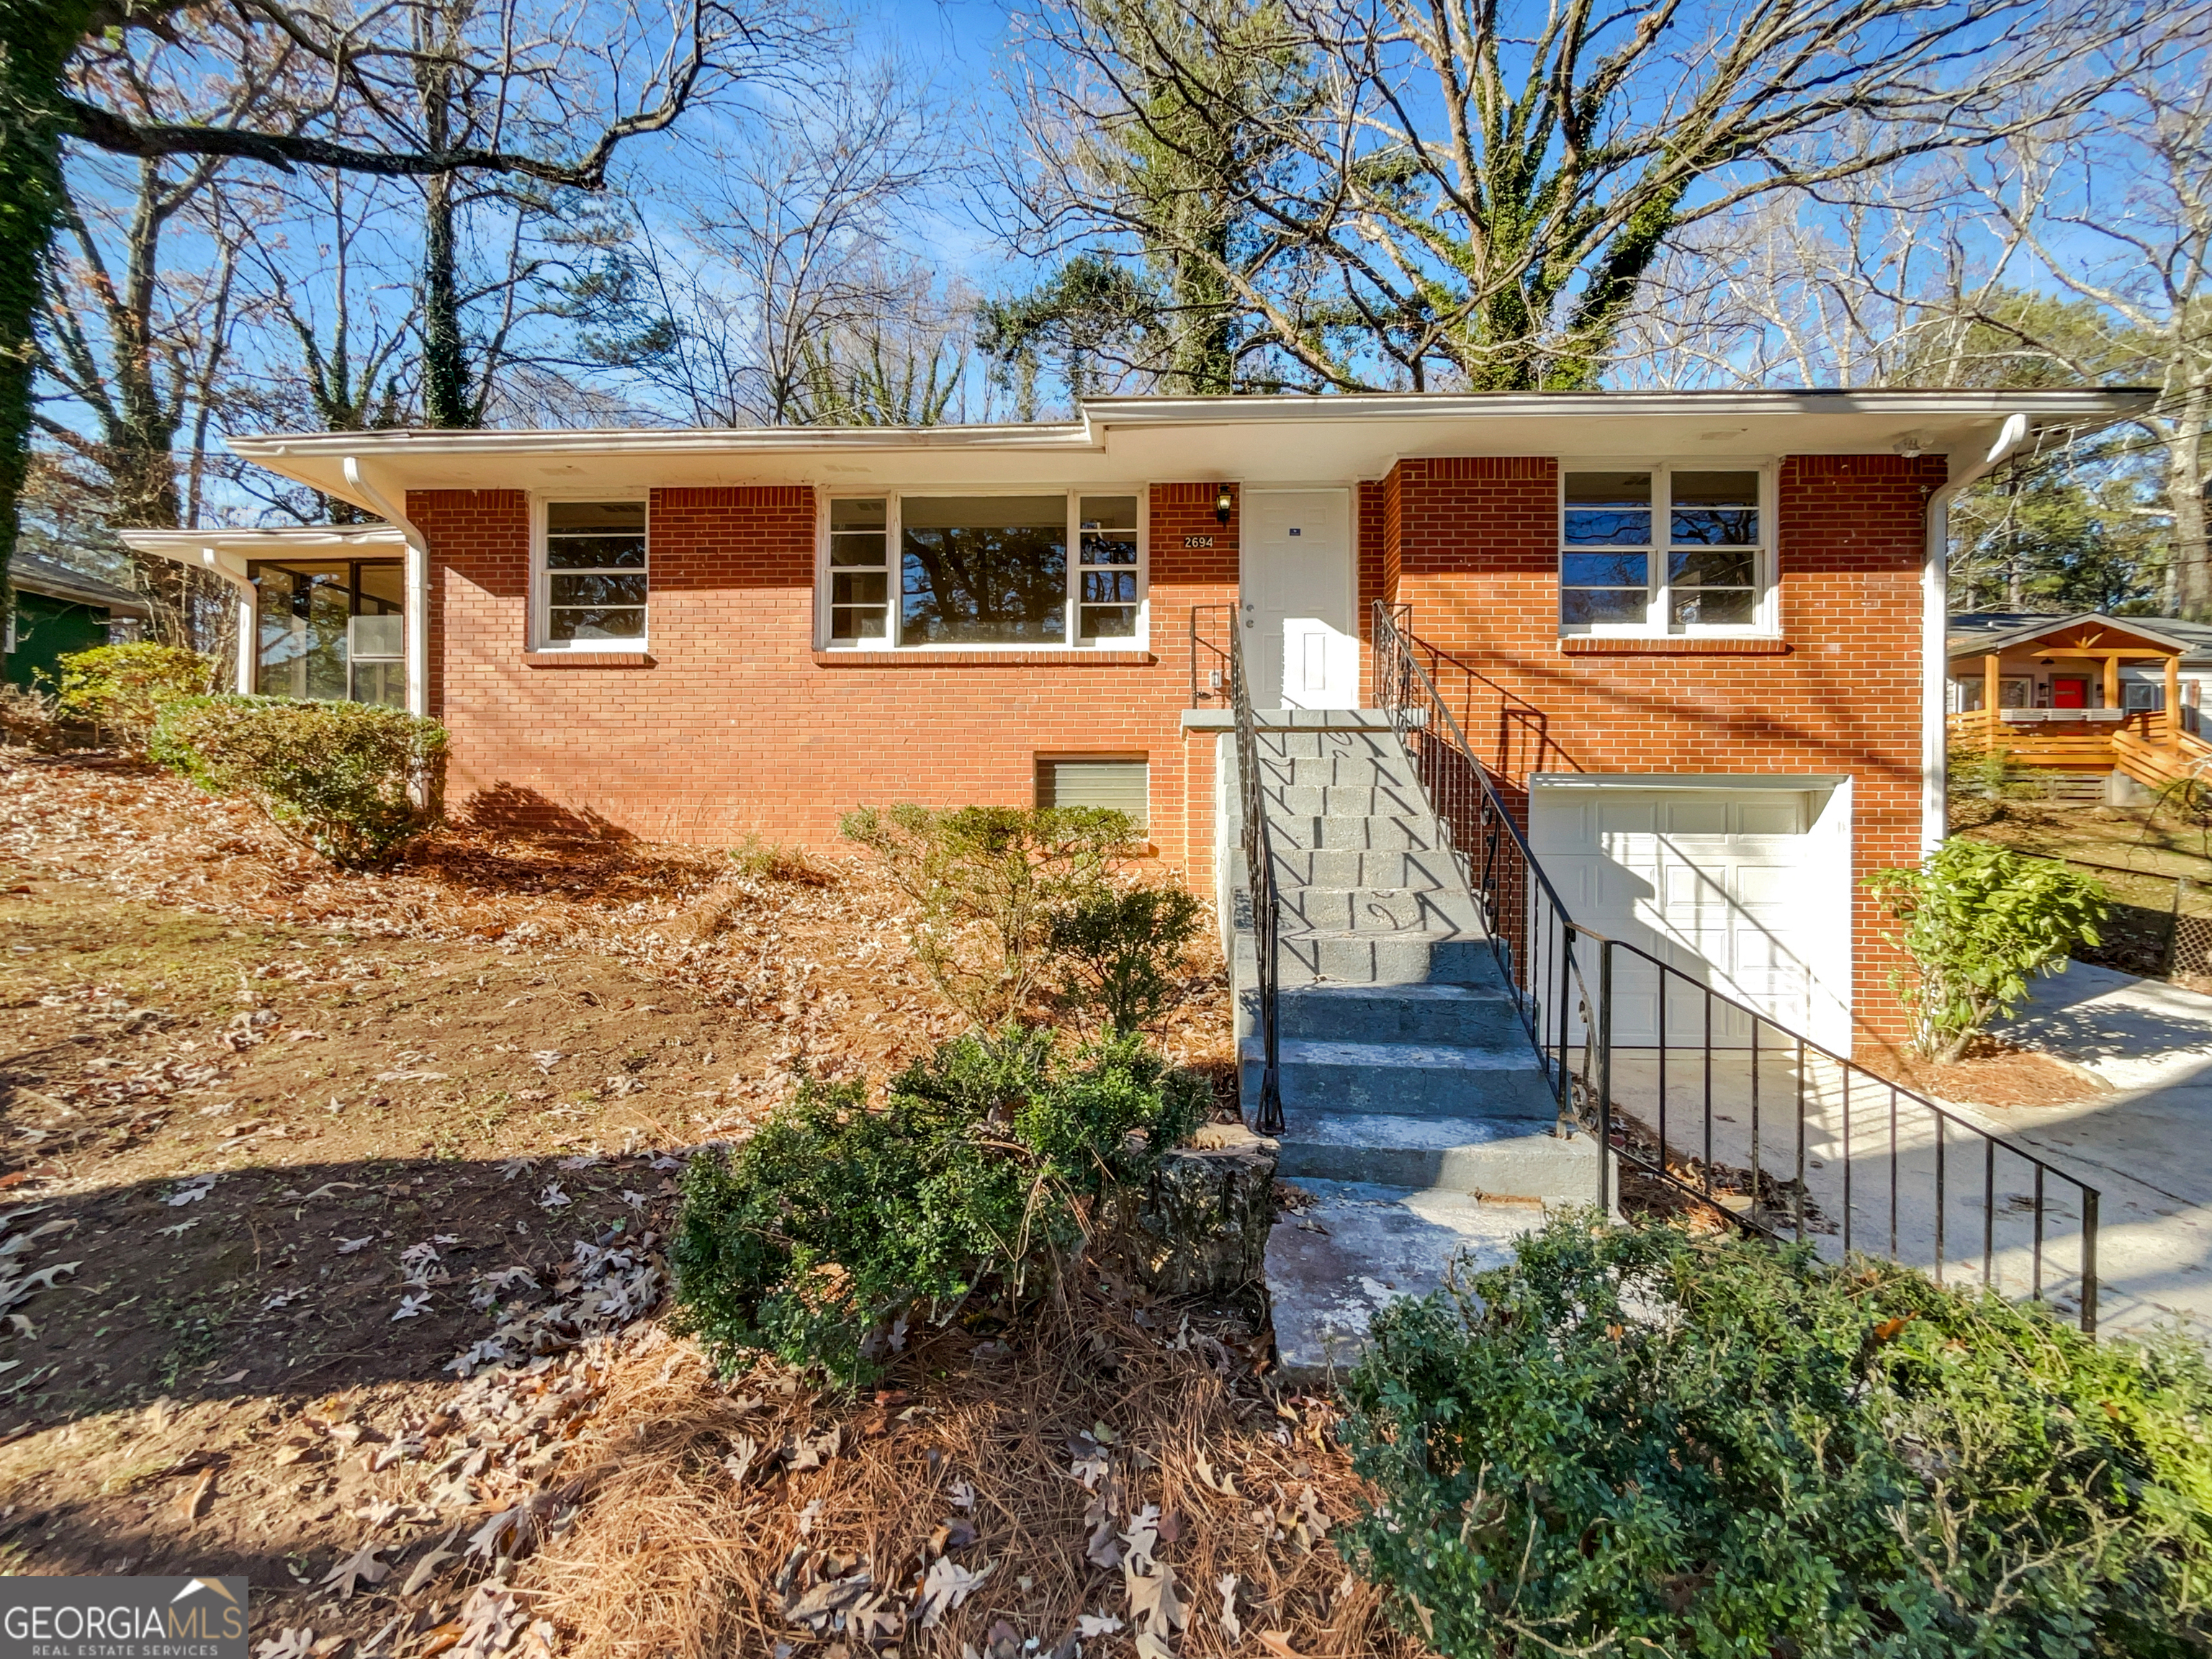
(1746,890)
(1297,595)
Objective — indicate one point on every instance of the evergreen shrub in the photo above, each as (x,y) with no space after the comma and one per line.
(984,1169)
(355,781)
(1637,1441)
(122,689)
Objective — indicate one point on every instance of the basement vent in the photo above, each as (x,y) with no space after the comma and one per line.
(1123,785)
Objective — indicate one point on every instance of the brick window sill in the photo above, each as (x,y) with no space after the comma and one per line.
(1673,645)
(984,658)
(587,659)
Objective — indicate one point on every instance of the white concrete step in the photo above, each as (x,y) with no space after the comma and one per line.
(1349,868)
(1503,1156)
(1475,1015)
(1406,1079)
(1411,831)
(1358,770)
(1333,1265)
(1380,909)
(1326,956)
(1341,801)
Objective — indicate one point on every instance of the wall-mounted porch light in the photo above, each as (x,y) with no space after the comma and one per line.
(1224,503)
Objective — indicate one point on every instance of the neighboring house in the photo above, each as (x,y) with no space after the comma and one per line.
(2035,670)
(57,611)
(2088,695)
(1711,625)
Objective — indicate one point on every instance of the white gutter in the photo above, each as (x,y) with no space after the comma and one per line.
(1098,414)
(1934,631)
(417,593)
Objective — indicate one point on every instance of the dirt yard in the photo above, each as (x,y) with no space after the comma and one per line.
(2155,841)
(331,1207)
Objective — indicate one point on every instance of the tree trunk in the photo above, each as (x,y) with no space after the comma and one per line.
(41,34)
(446,401)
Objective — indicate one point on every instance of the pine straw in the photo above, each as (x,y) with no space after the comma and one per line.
(672,1559)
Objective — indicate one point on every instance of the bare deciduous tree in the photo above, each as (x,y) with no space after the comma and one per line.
(2075,252)
(797,296)
(551,94)
(2118,212)
(1456,193)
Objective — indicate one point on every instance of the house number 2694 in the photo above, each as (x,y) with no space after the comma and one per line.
(1198,541)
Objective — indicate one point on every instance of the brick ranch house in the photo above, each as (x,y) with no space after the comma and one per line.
(1707,629)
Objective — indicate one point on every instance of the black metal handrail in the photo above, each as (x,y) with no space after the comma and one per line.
(1209,662)
(1523,731)
(1827,1105)
(1260,881)
(1531,934)
(1743,1064)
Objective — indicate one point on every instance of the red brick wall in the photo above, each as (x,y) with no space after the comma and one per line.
(1474,542)
(735,727)
(732,725)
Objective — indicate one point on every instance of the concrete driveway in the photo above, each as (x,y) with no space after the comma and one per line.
(2147,1146)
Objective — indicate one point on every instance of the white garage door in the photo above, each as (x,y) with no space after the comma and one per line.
(1744,890)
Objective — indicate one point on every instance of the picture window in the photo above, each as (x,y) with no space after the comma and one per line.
(1036,570)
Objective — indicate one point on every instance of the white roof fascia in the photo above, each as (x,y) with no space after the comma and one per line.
(227,551)
(1132,412)
(293,538)
(1318,441)
(653,440)
(1516,406)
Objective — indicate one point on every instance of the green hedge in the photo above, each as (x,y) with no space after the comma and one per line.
(123,688)
(356,782)
(1635,1441)
(975,1178)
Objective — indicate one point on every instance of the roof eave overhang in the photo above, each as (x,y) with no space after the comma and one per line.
(1996,645)
(1291,437)
(115,601)
(229,550)
(2046,404)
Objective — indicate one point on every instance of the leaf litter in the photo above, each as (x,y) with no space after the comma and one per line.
(579,1482)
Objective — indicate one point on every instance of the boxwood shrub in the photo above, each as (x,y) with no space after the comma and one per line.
(121,689)
(975,1178)
(1635,1441)
(356,782)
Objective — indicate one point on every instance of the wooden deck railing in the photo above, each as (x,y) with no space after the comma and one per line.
(2140,742)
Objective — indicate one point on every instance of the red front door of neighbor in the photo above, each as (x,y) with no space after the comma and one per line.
(2069,693)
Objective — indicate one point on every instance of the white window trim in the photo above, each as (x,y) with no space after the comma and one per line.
(1766,612)
(541,587)
(1069,644)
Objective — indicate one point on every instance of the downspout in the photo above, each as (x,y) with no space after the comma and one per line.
(417,585)
(248,616)
(1934,647)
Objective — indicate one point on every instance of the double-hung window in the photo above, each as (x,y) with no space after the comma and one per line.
(1027,570)
(1664,550)
(592,576)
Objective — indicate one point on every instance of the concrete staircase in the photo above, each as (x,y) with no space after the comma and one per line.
(1416,1118)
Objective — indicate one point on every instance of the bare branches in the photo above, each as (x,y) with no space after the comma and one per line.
(799,293)
(1446,202)
(551,95)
